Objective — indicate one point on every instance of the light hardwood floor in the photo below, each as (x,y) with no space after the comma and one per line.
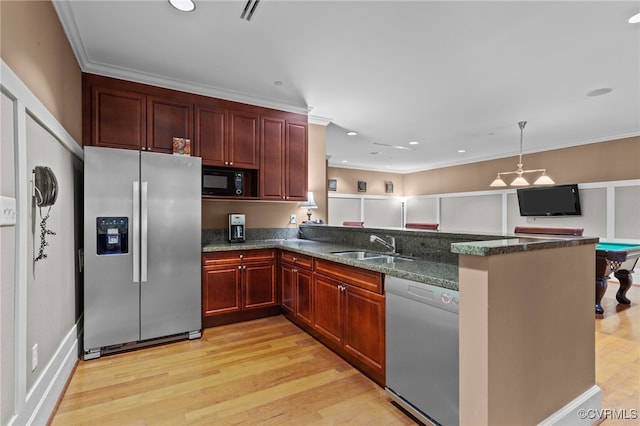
(270,372)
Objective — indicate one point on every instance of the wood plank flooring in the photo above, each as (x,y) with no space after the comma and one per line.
(268,371)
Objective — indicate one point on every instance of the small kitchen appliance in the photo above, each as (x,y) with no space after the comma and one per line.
(236,228)
(222,182)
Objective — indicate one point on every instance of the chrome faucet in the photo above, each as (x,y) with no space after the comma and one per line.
(391,245)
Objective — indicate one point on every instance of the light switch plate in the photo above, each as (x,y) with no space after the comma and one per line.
(7,211)
(292,218)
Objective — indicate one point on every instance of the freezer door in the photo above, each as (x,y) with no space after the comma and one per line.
(111,297)
(170,244)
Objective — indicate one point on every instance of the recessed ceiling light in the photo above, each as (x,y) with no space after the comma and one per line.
(462,151)
(277,83)
(183,5)
(375,153)
(600,92)
(345,161)
(414,143)
(352,133)
(635,19)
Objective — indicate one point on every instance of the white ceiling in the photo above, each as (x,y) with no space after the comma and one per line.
(449,74)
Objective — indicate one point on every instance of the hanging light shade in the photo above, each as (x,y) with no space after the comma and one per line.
(544,180)
(520,180)
(498,182)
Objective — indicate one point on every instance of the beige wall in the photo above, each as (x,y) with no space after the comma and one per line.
(526,340)
(34,45)
(347,180)
(270,214)
(597,162)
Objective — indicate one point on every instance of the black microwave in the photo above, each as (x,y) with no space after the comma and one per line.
(219,181)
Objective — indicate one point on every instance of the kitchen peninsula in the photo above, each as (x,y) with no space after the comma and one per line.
(526,330)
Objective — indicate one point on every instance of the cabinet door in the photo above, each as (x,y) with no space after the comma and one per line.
(221,289)
(259,285)
(243,145)
(168,119)
(287,288)
(272,164)
(364,327)
(327,314)
(296,162)
(304,296)
(210,133)
(117,118)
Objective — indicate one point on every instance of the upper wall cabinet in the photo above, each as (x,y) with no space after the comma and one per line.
(271,144)
(166,119)
(122,114)
(283,170)
(228,138)
(118,118)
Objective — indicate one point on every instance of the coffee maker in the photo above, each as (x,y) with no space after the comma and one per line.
(236,228)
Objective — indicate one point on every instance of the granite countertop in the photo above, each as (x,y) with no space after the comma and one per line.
(441,274)
(518,244)
(426,268)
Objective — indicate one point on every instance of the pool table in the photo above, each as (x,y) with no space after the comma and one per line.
(609,258)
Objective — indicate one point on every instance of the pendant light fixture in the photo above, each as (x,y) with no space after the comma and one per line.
(520,180)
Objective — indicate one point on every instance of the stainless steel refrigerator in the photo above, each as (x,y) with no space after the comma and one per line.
(142,231)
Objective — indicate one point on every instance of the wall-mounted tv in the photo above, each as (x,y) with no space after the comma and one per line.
(558,200)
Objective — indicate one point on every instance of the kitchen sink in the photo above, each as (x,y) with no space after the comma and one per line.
(357,254)
(388,259)
(372,257)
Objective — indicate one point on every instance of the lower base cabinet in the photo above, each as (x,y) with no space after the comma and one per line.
(296,279)
(351,319)
(238,285)
(340,305)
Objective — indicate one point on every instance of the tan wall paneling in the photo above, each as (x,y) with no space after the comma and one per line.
(318,170)
(348,181)
(597,162)
(36,48)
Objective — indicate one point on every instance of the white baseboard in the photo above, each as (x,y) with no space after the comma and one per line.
(579,412)
(43,397)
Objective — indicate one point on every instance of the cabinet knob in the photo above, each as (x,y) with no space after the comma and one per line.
(231,163)
(244,267)
(226,162)
(295,259)
(239,266)
(294,271)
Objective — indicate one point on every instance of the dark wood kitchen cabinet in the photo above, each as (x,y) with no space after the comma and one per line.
(166,119)
(128,115)
(117,118)
(283,167)
(296,278)
(228,138)
(238,285)
(268,145)
(349,313)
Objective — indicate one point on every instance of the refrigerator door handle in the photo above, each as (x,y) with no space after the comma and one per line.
(136,232)
(143,232)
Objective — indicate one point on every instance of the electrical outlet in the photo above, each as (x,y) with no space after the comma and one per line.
(292,218)
(34,357)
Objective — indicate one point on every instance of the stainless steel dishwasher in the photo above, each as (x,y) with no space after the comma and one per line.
(422,350)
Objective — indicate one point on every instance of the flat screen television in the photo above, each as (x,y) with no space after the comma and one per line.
(558,200)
